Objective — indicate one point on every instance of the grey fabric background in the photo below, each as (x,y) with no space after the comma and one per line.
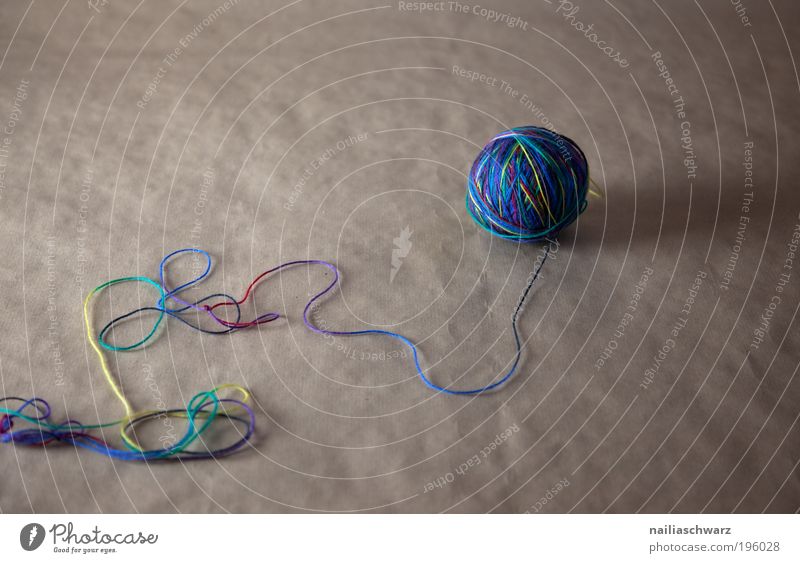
(114,111)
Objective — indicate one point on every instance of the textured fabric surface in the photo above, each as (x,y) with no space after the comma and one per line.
(660,363)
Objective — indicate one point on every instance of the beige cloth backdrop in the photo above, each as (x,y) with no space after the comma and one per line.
(659,370)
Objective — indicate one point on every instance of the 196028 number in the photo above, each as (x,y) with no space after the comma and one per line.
(762,546)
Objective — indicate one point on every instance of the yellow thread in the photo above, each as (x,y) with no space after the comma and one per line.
(599,193)
(106,371)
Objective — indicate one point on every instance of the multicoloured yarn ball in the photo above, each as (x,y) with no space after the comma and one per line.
(527,184)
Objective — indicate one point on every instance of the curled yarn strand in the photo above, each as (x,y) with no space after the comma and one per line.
(200,413)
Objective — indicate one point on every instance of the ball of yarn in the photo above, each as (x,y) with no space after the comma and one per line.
(527,184)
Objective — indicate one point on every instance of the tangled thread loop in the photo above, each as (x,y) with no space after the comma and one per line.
(201,412)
